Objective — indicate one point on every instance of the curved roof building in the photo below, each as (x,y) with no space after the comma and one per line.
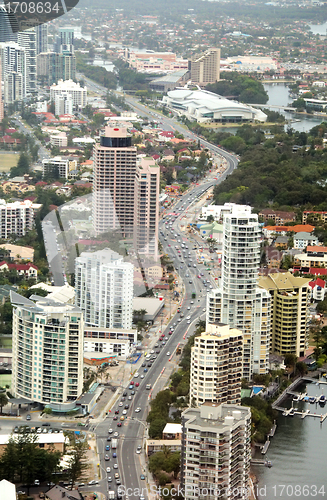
(204,106)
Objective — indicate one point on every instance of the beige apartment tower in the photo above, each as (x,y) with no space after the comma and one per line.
(205,68)
(216,366)
(216,452)
(290,299)
(146,208)
(114,182)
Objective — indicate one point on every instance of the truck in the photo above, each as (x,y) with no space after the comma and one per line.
(148,387)
(114,444)
(111,495)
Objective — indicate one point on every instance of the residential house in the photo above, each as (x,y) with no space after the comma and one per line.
(61,493)
(172,431)
(314,216)
(273,257)
(281,242)
(279,217)
(303,239)
(318,288)
(314,256)
(27,270)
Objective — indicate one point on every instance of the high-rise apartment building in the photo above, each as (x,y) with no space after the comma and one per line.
(1,101)
(13,59)
(52,67)
(239,302)
(216,366)
(41,38)
(65,37)
(205,68)
(27,40)
(104,289)
(146,208)
(47,345)
(216,452)
(16,218)
(63,105)
(6,32)
(290,300)
(114,182)
(77,93)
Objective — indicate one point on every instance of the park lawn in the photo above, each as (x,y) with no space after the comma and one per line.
(7,161)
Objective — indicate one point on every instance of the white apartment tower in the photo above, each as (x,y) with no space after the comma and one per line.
(114,182)
(16,218)
(47,348)
(216,452)
(146,208)
(239,302)
(205,68)
(13,61)
(104,289)
(72,89)
(27,40)
(216,366)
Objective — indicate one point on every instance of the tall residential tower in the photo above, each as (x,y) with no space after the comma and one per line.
(114,182)
(239,302)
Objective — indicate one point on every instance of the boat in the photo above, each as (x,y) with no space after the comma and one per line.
(322,400)
(312,399)
(296,398)
(268,463)
(306,399)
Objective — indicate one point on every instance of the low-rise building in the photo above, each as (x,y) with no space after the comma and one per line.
(27,270)
(318,288)
(279,217)
(153,446)
(315,256)
(106,348)
(172,431)
(47,441)
(304,239)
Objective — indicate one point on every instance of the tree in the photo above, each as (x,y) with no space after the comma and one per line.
(301,368)
(78,459)
(3,400)
(210,218)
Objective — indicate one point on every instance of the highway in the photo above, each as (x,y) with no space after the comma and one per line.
(134,430)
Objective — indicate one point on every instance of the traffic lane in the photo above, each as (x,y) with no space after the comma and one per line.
(130,461)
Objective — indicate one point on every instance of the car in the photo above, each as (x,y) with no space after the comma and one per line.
(106,457)
(116,434)
(36,482)
(145,370)
(139,447)
(190,282)
(164,343)
(117,412)
(125,393)
(143,364)
(107,447)
(138,451)
(109,479)
(118,481)
(92,482)
(114,455)
(28,417)
(192,302)
(137,384)
(115,417)
(188,321)
(123,399)
(160,339)
(46,424)
(132,382)
(130,387)
(137,374)
(138,409)
(126,407)
(122,418)
(130,397)
(124,412)
(149,365)
(115,466)
(116,475)
(121,404)
(108,469)
(168,353)
(119,424)
(166,338)
(142,477)
(133,392)
(142,497)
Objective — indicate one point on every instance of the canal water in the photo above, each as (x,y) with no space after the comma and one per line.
(298,453)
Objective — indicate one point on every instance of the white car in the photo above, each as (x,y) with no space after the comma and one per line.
(188,317)
(168,353)
(115,466)
(124,412)
(136,375)
(108,469)
(188,321)
(110,431)
(121,404)
(138,410)
(188,308)
(94,481)
(138,451)
(142,376)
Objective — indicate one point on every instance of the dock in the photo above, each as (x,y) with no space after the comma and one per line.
(265,447)
(272,430)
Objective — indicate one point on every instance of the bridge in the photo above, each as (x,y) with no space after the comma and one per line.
(273,106)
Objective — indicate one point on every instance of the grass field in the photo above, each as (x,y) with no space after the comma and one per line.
(8,160)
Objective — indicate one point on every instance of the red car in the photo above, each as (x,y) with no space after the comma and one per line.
(132,383)
(119,424)
(137,384)
(117,412)
(170,333)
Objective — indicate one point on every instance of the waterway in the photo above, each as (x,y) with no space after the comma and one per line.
(319,29)
(298,453)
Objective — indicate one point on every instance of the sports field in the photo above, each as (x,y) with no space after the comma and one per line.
(8,160)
